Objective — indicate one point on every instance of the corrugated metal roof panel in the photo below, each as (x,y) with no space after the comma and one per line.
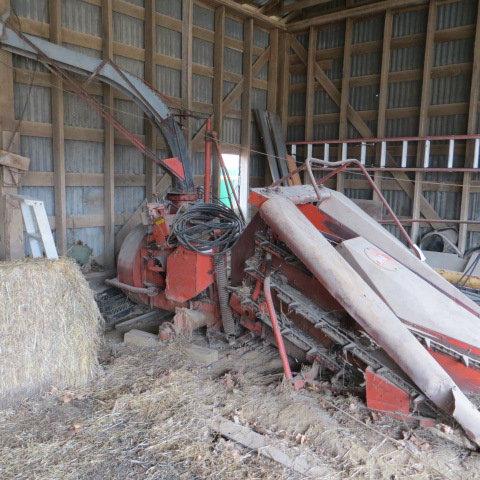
(82,17)
(324,103)
(331,36)
(295,133)
(83,157)
(358,194)
(169,81)
(27,64)
(454,51)
(366,64)
(32,103)
(231,130)
(129,114)
(227,88)
(404,94)
(473,240)
(39,151)
(399,201)
(91,236)
(456,14)
(233,28)
(233,60)
(128,30)
(446,204)
(203,17)
(296,103)
(77,112)
(44,194)
(128,160)
(367,30)
(259,98)
(410,23)
(364,97)
(302,38)
(450,89)
(34,9)
(202,88)
(84,200)
(172,8)
(85,50)
(298,77)
(448,125)
(402,127)
(135,67)
(474,207)
(408,58)
(336,71)
(169,42)
(257,165)
(139,3)
(128,199)
(202,52)
(325,131)
(261,38)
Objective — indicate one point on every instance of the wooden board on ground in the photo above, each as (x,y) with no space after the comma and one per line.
(147,322)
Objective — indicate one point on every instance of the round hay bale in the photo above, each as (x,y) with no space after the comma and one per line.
(50,328)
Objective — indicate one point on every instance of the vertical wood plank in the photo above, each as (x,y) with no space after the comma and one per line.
(150,76)
(58,136)
(423,116)
(108,166)
(345,96)
(383,89)
(273,72)
(246,134)
(310,92)
(471,128)
(218,64)
(283,79)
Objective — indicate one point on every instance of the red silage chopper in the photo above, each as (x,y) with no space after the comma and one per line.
(318,277)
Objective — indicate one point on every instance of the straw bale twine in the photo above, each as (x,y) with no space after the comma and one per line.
(50,328)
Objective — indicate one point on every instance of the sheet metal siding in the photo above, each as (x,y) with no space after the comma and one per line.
(169,81)
(198,163)
(227,88)
(259,98)
(171,8)
(407,58)
(135,67)
(324,103)
(77,113)
(331,36)
(261,38)
(45,194)
(399,201)
(448,125)
(128,199)
(456,14)
(402,127)
(129,115)
(233,60)
(202,52)
(128,30)
(128,160)
(450,89)
(83,157)
(202,88)
(233,28)
(257,165)
(366,64)
(473,240)
(139,3)
(32,103)
(40,152)
(298,78)
(364,97)
(169,42)
(368,30)
(404,94)
(231,130)
(34,9)
(446,204)
(263,72)
(296,103)
(474,207)
(325,131)
(409,23)
(84,200)
(27,64)
(203,17)
(82,17)
(296,133)
(454,51)
(91,236)
(358,194)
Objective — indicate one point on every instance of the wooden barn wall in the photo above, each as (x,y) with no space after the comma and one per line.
(205,61)
(382,65)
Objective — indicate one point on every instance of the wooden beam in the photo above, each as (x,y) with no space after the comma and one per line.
(383,91)
(357,121)
(310,91)
(283,79)
(301,4)
(150,76)
(273,72)
(109,147)
(472,127)
(362,10)
(423,116)
(58,135)
(246,133)
(187,61)
(345,95)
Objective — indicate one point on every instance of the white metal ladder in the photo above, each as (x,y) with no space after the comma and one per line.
(37,226)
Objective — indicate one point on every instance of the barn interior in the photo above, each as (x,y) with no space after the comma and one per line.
(239,239)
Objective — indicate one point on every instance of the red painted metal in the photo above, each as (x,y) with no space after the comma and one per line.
(276,329)
(188,274)
(174,165)
(207,179)
(384,396)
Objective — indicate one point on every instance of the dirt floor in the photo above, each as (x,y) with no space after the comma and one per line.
(149,416)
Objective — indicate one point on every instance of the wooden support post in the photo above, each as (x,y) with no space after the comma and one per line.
(150,75)
(283,79)
(218,61)
(58,137)
(187,61)
(345,97)
(423,117)
(471,128)
(310,93)
(383,94)
(109,159)
(246,133)
(273,72)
